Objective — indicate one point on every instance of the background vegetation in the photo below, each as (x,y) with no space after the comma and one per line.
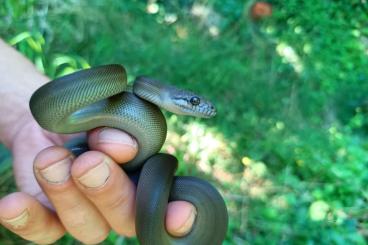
(288,149)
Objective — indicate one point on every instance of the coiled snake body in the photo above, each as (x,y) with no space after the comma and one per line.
(97,97)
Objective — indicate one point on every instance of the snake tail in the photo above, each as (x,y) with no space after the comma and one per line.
(211,221)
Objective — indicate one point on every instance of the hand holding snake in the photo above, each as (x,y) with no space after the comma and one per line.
(98,97)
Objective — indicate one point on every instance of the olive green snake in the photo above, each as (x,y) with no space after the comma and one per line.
(98,97)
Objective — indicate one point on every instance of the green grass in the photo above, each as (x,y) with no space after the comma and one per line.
(288,147)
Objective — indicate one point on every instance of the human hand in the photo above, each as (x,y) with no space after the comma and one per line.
(85,196)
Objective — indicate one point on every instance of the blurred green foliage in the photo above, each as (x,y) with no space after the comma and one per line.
(288,149)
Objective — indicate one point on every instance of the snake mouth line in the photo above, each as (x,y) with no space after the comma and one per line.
(185,108)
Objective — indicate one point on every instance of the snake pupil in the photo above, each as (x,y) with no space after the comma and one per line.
(195,100)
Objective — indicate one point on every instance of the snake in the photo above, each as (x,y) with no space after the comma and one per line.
(100,97)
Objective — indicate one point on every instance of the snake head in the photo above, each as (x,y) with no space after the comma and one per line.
(185,102)
(172,99)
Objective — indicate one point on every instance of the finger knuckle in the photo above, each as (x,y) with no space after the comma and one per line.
(118,201)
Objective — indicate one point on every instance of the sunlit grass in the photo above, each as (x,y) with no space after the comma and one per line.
(289,56)
(203,147)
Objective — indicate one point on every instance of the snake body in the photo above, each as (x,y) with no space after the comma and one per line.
(98,97)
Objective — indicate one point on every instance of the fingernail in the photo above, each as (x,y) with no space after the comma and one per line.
(19,221)
(187,225)
(97,176)
(58,172)
(111,135)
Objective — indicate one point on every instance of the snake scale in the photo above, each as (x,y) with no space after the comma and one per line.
(98,97)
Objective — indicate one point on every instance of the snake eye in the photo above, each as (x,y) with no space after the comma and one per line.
(195,100)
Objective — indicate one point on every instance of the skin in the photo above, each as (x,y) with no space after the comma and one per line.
(86,196)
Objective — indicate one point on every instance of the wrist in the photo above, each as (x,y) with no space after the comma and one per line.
(9,135)
(16,116)
(19,78)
